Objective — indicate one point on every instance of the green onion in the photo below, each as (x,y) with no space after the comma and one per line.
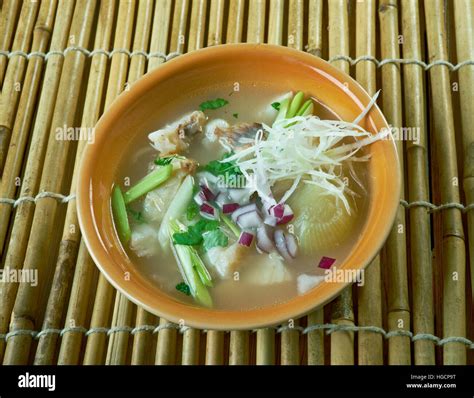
(306,109)
(192,268)
(283,109)
(232,226)
(295,105)
(148,183)
(119,212)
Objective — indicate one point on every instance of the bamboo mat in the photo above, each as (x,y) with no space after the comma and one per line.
(62,63)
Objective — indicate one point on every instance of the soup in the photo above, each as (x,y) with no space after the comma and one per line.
(242,199)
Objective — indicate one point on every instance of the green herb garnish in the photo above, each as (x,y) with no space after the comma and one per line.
(164,160)
(214,238)
(276,106)
(148,183)
(136,215)
(218,168)
(192,211)
(236,115)
(183,288)
(119,211)
(213,104)
(194,235)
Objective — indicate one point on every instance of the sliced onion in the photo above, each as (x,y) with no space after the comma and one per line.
(207,193)
(245,239)
(207,211)
(280,242)
(229,208)
(244,209)
(270,220)
(239,195)
(291,244)
(221,198)
(251,219)
(265,239)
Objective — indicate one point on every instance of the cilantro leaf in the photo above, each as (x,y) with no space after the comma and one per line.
(214,238)
(193,236)
(192,210)
(236,115)
(218,168)
(136,215)
(213,104)
(183,288)
(164,160)
(276,105)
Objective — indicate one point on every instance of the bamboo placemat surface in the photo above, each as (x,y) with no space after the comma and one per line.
(63,62)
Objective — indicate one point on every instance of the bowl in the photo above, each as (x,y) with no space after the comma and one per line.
(134,112)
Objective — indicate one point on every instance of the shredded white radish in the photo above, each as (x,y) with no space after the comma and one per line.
(305,149)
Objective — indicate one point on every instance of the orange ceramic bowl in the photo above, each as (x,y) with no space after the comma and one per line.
(134,112)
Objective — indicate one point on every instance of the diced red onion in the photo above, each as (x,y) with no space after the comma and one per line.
(207,211)
(280,243)
(207,193)
(245,239)
(278,210)
(229,208)
(286,216)
(251,219)
(243,209)
(265,239)
(326,262)
(291,244)
(199,198)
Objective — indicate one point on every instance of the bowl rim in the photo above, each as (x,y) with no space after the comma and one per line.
(143,84)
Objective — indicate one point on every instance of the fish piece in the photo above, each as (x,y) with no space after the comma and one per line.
(224,261)
(306,282)
(239,136)
(175,137)
(144,240)
(269,270)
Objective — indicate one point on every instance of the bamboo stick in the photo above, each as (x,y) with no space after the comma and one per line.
(275,22)
(31,178)
(239,347)
(52,180)
(83,270)
(216,22)
(295,24)
(142,340)
(315,28)
(11,92)
(7,24)
(454,298)
(197,25)
(236,21)
(119,342)
(96,342)
(166,345)
(420,237)
(290,339)
(214,348)
(454,261)
(464,18)
(316,339)
(369,305)
(342,342)
(256,22)
(178,33)
(398,305)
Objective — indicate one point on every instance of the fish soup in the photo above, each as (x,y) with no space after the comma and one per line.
(242,199)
